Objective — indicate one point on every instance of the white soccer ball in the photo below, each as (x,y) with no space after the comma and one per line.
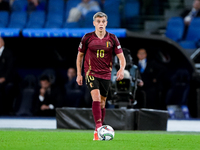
(106,133)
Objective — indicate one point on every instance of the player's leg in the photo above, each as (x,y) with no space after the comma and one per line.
(96,108)
(93,86)
(103,109)
(96,111)
(104,88)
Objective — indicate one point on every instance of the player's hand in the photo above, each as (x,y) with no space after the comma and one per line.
(79,80)
(120,74)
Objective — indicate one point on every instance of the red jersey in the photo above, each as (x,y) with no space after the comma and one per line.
(98,57)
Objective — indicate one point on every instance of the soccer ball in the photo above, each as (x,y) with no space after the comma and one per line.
(105,133)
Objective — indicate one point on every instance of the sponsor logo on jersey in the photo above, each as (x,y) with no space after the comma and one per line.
(80,45)
(119,46)
(108,44)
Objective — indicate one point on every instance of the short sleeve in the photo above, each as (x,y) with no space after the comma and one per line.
(82,45)
(117,47)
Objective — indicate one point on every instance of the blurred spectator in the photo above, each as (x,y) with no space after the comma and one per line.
(34,5)
(179,89)
(71,73)
(189,14)
(130,66)
(6,78)
(74,92)
(82,9)
(151,74)
(4,5)
(49,97)
(11,2)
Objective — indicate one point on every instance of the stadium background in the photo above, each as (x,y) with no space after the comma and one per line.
(142,30)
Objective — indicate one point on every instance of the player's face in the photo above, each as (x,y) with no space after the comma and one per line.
(141,54)
(100,23)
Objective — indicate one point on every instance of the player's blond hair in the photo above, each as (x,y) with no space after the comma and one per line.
(100,14)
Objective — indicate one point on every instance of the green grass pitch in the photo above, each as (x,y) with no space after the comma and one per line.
(30,139)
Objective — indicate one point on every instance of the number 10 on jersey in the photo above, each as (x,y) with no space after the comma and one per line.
(100,53)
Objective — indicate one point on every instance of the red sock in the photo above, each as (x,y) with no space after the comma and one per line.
(103,113)
(96,110)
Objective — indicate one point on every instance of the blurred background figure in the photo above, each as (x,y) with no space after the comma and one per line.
(151,74)
(6,78)
(88,5)
(49,97)
(189,14)
(179,88)
(74,93)
(82,9)
(71,73)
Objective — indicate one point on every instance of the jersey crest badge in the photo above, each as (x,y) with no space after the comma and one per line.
(108,44)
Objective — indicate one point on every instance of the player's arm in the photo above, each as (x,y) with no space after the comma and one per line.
(79,62)
(120,73)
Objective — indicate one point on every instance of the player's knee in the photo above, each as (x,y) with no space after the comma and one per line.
(96,95)
(103,104)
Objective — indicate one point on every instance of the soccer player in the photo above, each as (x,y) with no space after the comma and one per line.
(98,47)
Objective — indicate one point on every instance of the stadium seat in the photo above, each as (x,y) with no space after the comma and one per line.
(113,20)
(88,20)
(131,8)
(4,17)
(17,20)
(36,19)
(192,36)
(188,44)
(175,28)
(111,8)
(54,20)
(19,5)
(56,6)
(71,25)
